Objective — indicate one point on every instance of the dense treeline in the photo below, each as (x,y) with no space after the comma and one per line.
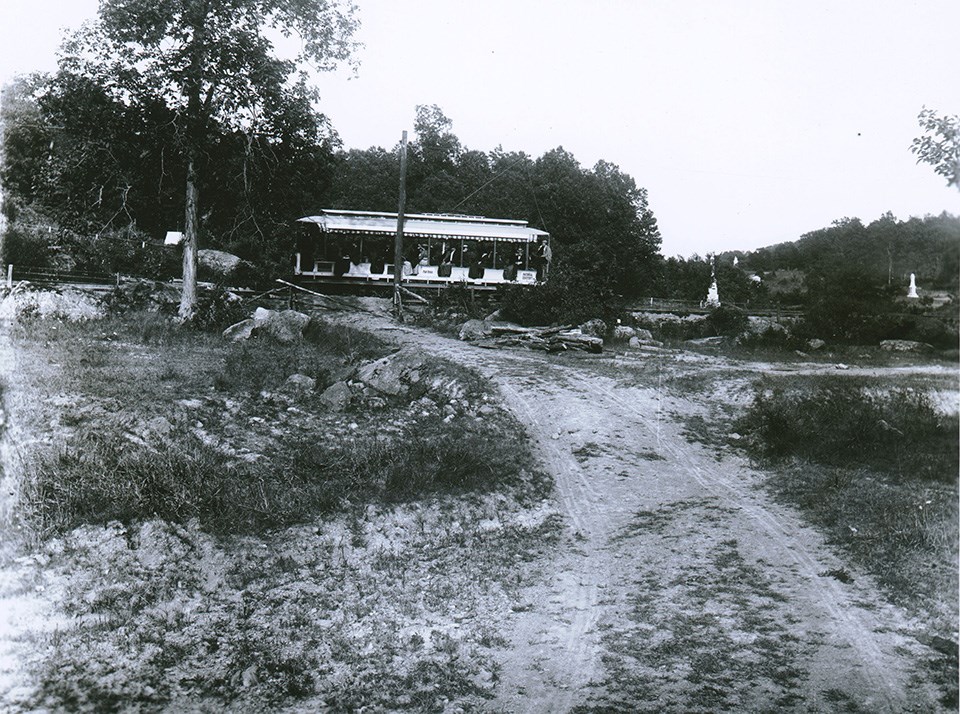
(93,183)
(884,251)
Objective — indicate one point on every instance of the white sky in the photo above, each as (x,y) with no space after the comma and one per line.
(750,122)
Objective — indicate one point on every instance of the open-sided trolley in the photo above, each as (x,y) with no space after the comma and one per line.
(357,247)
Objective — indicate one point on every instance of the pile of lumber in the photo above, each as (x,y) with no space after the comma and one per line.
(547,339)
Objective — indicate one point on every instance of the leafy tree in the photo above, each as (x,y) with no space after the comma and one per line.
(213,65)
(940,144)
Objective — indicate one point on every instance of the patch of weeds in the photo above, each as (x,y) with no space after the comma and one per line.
(840,423)
(840,574)
(100,477)
(259,365)
(429,456)
(344,341)
(587,451)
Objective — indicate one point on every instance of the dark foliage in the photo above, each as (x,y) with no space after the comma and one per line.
(886,250)
(567,298)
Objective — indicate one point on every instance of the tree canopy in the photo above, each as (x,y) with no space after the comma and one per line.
(210,70)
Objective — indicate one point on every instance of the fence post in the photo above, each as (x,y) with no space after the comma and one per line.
(10,276)
(118,280)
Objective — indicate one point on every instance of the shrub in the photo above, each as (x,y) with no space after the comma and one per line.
(725,320)
(217,310)
(564,299)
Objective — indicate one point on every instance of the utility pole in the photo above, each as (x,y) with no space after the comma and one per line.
(398,244)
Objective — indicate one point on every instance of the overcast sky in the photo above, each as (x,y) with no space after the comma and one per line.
(750,122)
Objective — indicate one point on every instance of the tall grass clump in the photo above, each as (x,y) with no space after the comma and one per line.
(264,363)
(99,477)
(839,423)
(426,458)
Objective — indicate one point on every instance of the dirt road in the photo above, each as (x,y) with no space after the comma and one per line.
(687,589)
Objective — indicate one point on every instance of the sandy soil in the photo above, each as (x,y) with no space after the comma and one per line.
(690,589)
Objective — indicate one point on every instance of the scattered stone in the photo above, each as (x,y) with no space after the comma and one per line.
(643,335)
(336,397)
(594,328)
(299,385)
(159,426)
(906,346)
(240,331)
(624,332)
(473,330)
(815,344)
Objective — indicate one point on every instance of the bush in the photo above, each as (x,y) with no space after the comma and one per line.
(565,299)
(725,320)
(25,247)
(842,424)
(217,310)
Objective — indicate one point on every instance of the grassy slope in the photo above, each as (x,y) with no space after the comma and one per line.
(362,588)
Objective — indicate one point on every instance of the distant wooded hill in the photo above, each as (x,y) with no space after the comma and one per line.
(885,251)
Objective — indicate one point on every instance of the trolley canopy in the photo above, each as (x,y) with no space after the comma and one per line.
(425,225)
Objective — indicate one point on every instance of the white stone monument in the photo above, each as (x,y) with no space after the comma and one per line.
(912,293)
(713,294)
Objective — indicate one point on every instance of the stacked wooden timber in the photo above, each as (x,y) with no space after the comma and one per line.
(547,339)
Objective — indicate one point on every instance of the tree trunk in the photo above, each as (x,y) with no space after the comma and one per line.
(188,296)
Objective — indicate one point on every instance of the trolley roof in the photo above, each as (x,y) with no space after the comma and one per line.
(425,225)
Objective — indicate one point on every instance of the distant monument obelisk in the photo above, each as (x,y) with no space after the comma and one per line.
(912,293)
(713,294)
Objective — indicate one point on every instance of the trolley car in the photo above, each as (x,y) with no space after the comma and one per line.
(357,247)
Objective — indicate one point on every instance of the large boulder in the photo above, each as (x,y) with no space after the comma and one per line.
(473,330)
(67,304)
(218,262)
(623,332)
(283,326)
(394,374)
